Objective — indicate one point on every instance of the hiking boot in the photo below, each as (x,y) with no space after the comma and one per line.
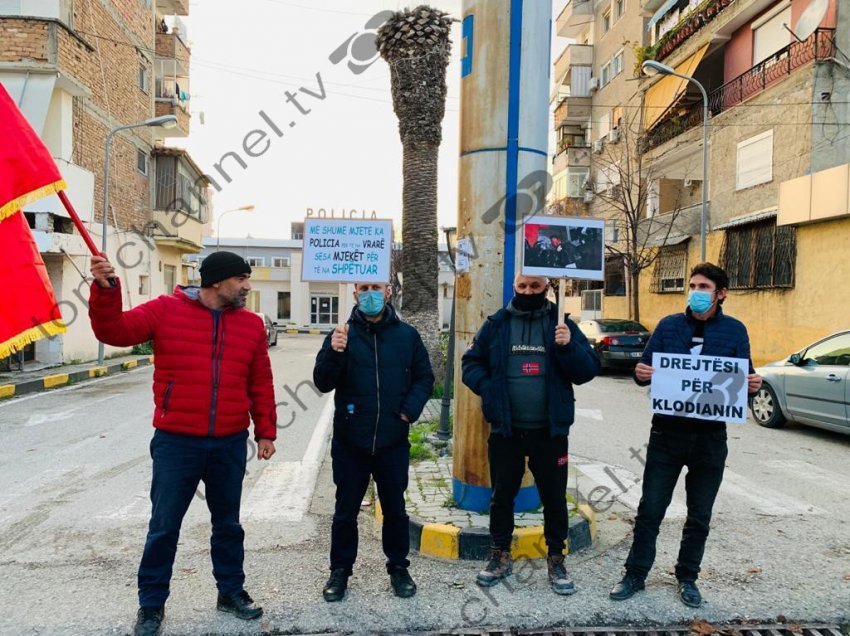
(336,586)
(558,577)
(626,588)
(241,605)
(402,583)
(149,621)
(689,594)
(499,565)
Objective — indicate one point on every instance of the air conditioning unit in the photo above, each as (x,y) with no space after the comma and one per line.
(594,84)
(692,183)
(614,136)
(598,145)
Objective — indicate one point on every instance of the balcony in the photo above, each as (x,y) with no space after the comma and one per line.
(80,192)
(172,7)
(172,106)
(693,21)
(177,229)
(576,15)
(573,55)
(171,46)
(572,111)
(818,47)
(571,157)
(61,10)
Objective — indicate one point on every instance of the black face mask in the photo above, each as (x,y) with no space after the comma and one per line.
(529,302)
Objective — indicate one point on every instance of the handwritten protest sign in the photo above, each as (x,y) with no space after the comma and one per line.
(347,251)
(704,387)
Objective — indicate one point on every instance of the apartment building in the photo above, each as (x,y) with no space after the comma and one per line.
(779,163)
(78,70)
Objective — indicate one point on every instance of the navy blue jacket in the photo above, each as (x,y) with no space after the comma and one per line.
(485,371)
(722,336)
(383,372)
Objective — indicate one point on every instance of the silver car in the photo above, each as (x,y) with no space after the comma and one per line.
(811,387)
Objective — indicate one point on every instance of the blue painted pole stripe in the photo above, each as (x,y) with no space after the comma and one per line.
(477,498)
(467,28)
(515,58)
(504,149)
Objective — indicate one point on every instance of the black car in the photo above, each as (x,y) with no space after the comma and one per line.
(271,329)
(619,342)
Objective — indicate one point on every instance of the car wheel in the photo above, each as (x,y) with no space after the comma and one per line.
(273,343)
(765,408)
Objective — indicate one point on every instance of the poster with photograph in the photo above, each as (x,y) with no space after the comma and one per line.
(564,247)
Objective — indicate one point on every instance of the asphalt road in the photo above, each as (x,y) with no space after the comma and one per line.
(75,472)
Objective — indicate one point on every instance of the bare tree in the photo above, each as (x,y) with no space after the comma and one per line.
(623,181)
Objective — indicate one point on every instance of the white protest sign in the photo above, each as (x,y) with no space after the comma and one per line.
(703,387)
(347,250)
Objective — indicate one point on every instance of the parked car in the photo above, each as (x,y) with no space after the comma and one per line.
(619,342)
(810,387)
(271,329)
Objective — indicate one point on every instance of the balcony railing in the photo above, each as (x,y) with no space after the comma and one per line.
(819,46)
(693,22)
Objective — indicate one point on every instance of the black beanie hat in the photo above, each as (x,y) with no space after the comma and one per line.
(221,265)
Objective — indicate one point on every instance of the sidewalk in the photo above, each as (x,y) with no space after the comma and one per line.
(15,383)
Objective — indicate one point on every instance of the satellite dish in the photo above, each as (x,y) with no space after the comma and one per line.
(810,19)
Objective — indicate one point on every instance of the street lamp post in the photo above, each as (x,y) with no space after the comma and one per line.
(244,208)
(651,67)
(443,433)
(165,121)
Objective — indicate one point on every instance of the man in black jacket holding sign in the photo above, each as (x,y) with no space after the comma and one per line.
(382,376)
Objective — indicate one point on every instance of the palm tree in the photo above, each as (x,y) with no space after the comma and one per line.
(416,45)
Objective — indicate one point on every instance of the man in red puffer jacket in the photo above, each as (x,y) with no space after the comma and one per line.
(212,375)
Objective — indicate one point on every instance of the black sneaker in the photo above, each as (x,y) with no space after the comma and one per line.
(240,605)
(149,621)
(626,588)
(499,565)
(336,586)
(402,583)
(561,582)
(689,594)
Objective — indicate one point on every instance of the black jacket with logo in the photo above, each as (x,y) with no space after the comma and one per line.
(383,372)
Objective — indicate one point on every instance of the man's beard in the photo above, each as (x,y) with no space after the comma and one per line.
(239,302)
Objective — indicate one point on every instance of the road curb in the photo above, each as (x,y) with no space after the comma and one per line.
(304,330)
(447,541)
(58,380)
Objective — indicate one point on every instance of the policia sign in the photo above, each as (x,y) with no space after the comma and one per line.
(702,387)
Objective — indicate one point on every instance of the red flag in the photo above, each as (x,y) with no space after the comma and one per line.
(27,172)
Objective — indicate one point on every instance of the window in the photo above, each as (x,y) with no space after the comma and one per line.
(576,178)
(755,161)
(604,74)
(280,261)
(670,269)
(142,162)
(169,275)
(324,310)
(144,82)
(617,64)
(770,34)
(144,284)
(284,306)
(833,351)
(615,276)
(617,117)
(619,9)
(606,21)
(760,255)
(256,261)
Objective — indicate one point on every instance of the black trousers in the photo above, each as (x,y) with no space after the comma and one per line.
(352,468)
(704,454)
(547,459)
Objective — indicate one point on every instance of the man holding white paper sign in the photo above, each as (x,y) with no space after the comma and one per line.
(700,373)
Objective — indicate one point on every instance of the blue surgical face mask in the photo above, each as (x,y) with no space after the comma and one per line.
(370,302)
(699,301)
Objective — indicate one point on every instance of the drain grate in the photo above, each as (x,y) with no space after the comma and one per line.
(697,629)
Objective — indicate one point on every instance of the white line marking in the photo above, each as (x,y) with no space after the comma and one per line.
(765,500)
(624,487)
(283,490)
(810,472)
(593,414)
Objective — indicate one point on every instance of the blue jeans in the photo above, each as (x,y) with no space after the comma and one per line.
(180,463)
(704,454)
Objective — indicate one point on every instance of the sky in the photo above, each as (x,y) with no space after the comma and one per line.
(339,147)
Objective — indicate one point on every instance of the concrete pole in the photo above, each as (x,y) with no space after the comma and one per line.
(504,153)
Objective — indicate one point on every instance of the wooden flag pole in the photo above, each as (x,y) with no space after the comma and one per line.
(78,223)
(562,300)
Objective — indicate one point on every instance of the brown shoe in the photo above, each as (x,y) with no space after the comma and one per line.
(499,565)
(558,577)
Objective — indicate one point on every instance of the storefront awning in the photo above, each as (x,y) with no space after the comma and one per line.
(665,93)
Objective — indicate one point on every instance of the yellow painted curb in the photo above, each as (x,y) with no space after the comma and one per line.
(60,379)
(7,390)
(440,540)
(129,364)
(379,513)
(97,372)
(528,543)
(150,359)
(291,331)
(586,511)
(315,332)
